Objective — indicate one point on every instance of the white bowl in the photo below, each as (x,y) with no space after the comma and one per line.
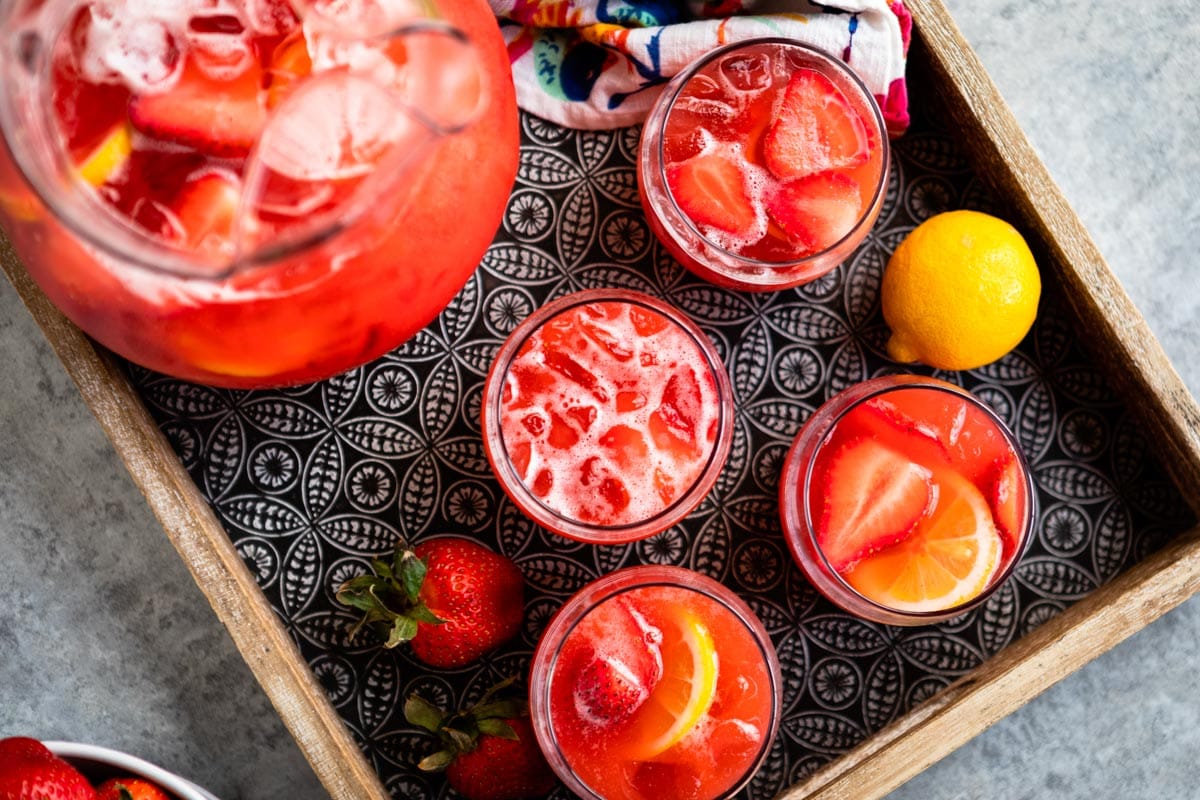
(101,763)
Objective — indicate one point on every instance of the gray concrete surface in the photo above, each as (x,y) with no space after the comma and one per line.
(104,637)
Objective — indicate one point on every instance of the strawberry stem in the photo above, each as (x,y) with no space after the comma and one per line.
(389,597)
(459,731)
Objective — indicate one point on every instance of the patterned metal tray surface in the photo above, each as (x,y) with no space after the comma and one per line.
(311,482)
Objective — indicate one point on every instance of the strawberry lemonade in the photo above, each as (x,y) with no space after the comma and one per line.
(763,165)
(253,192)
(607,416)
(906,500)
(655,682)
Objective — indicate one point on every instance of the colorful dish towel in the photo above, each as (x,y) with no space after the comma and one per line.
(595,64)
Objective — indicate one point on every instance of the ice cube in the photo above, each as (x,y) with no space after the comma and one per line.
(747,72)
(430,67)
(626,446)
(270,17)
(220,54)
(159,221)
(673,425)
(703,87)
(335,127)
(576,373)
(611,342)
(359,19)
(144,53)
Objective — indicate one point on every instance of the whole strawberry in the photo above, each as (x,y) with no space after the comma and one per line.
(29,771)
(130,789)
(488,751)
(452,599)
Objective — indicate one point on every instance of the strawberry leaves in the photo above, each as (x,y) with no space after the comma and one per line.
(458,732)
(488,750)
(390,598)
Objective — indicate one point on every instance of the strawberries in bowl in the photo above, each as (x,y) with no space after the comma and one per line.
(35,770)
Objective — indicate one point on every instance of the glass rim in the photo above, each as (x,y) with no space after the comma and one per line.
(583,602)
(885,384)
(669,97)
(496,446)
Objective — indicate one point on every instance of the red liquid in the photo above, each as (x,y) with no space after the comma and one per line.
(725,721)
(609,413)
(304,315)
(775,155)
(918,500)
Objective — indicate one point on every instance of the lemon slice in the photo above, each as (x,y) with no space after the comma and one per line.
(950,558)
(103,163)
(684,693)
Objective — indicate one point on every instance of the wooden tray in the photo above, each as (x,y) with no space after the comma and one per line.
(1125,350)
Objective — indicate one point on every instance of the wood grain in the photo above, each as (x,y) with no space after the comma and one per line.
(1123,346)
(1011,678)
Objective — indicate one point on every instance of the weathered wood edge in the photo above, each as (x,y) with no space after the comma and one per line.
(206,550)
(1008,680)
(1125,346)
(1114,330)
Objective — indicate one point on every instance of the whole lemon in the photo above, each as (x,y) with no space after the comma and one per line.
(960,291)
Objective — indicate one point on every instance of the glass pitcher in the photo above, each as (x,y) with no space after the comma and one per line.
(252,193)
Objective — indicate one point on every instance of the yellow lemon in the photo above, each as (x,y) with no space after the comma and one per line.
(950,557)
(103,163)
(960,291)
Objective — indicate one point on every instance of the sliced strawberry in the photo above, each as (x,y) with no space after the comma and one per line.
(969,437)
(711,190)
(816,211)
(816,129)
(609,690)
(621,669)
(1007,498)
(207,208)
(874,497)
(883,421)
(222,118)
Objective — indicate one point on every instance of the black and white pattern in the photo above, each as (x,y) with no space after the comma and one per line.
(311,482)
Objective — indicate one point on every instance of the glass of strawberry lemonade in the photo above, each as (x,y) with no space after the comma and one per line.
(906,500)
(655,682)
(763,165)
(607,416)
